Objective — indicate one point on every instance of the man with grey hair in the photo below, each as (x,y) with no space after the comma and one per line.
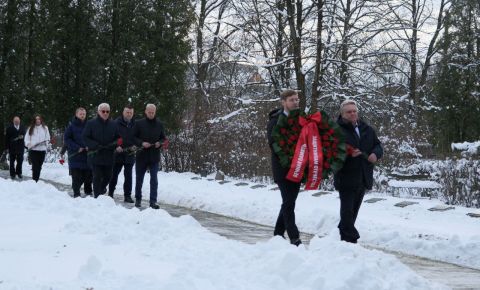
(15,145)
(149,135)
(356,175)
(100,137)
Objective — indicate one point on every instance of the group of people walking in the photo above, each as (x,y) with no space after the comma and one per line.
(98,150)
(351,181)
(35,138)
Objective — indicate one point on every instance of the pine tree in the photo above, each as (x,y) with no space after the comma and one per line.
(457,79)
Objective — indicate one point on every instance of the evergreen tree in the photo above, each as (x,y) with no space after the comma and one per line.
(457,79)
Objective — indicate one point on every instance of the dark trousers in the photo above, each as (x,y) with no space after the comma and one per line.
(101,178)
(79,177)
(15,170)
(286,216)
(350,202)
(37,157)
(127,173)
(140,169)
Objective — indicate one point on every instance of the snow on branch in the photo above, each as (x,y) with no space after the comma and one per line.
(466,147)
(226,117)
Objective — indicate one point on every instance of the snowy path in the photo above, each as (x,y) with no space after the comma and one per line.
(444,273)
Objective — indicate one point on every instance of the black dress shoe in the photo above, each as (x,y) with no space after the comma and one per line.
(13,177)
(128,199)
(154,206)
(138,203)
(20,176)
(296,242)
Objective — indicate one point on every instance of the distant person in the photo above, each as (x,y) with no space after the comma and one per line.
(124,154)
(150,136)
(356,175)
(100,137)
(36,140)
(15,145)
(288,189)
(77,154)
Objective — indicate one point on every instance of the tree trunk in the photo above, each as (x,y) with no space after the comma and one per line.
(318,59)
(295,9)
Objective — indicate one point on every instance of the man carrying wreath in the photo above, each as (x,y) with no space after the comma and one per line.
(288,189)
(356,175)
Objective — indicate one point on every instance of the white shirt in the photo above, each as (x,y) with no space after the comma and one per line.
(357,130)
(39,139)
(17,127)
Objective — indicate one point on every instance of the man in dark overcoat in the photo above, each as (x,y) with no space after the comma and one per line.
(100,137)
(15,145)
(356,175)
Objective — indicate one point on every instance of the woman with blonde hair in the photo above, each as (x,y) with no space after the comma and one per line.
(36,140)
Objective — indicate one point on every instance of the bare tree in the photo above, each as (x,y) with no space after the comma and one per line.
(412,18)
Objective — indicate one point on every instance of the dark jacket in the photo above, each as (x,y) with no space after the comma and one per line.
(358,170)
(150,131)
(279,172)
(100,137)
(15,139)
(74,141)
(125,130)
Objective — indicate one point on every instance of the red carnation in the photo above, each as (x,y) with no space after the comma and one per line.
(334,154)
(61,161)
(119,142)
(325,137)
(291,121)
(281,142)
(283,131)
(350,150)
(326,144)
(326,165)
(331,131)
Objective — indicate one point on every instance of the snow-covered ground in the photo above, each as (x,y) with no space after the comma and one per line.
(449,236)
(51,241)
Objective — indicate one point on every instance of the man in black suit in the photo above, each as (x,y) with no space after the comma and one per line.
(15,145)
(288,189)
(124,157)
(356,175)
(100,137)
(149,136)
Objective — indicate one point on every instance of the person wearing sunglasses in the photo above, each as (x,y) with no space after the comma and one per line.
(100,138)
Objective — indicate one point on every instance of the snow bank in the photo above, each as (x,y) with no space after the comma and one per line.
(51,241)
(449,236)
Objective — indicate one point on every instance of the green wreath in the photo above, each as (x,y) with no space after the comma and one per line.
(287,130)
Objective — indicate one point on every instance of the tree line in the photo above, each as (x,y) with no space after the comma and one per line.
(56,55)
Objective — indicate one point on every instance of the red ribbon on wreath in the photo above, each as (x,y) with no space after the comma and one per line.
(308,151)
